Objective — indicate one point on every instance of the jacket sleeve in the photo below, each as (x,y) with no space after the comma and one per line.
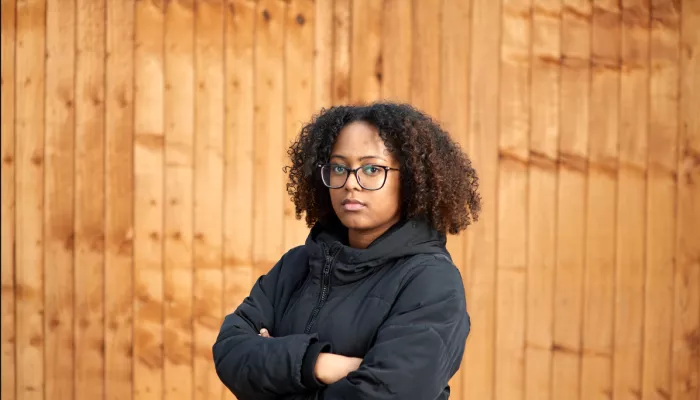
(420,345)
(253,367)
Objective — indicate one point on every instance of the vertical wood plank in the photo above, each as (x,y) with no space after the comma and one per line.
(148,200)
(571,198)
(454,114)
(425,56)
(178,205)
(239,137)
(513,199)
(542,196)
(89,200)
(342,21)
(208,193)
(631,200)
(479,375)
(299,97)
(29,197)
(397,38)
(268,184)
(323,54)
(59,198)
(366,51)
(661,199)
(7,121)
(599,277)
(686,327)
(119,201)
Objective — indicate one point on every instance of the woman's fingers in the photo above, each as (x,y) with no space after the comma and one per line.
(264,333)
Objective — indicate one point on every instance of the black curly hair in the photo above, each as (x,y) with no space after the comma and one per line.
(438,182)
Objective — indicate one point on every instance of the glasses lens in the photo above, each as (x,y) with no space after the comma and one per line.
(371,177)
(334,176)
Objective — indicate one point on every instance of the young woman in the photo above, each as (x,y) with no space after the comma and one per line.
(371,306)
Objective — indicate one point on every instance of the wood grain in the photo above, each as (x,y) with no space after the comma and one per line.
(59,203)
(686,326)
(148,162)
(29,199)
(480,373)
(119,200)
(8,154)
(179,103)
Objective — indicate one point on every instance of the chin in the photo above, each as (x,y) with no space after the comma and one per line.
(355,221)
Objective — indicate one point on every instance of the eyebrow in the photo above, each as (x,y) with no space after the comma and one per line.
(361,158)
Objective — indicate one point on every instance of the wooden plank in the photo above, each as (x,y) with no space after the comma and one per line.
(631,200)
(298,93)
(366,51)
(599,277)
(686,326)
(341,51)
(119,208)
(239,137)
(119,202)
(7,152)
(29,197)
(397,35)
(425,56)
(512,199)
(148,200)
(479,378)
(661,199)
(178,223)
(269,152)
(542,197)
(59,198)
(323,54)
(208,193)
(89,200)
(571,198)
(454,114)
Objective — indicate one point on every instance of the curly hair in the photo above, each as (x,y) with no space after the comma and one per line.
(437,183)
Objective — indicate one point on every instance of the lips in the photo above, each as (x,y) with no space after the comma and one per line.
(352,204)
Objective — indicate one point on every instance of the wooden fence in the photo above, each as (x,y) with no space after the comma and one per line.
(142,187)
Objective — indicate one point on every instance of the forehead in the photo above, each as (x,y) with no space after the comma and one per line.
(359,139)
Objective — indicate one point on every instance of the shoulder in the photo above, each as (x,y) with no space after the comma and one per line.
(296,253)
(434,269)
(433,275)
(292,265)
(432,294)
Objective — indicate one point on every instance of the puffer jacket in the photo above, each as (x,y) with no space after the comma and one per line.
(399,305)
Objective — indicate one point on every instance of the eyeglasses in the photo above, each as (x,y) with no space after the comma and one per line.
(370,177)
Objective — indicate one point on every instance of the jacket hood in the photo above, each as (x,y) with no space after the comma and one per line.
(329,245)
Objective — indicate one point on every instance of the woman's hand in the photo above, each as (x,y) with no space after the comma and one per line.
(331,368)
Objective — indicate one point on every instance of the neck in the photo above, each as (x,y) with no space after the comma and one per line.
(362,238)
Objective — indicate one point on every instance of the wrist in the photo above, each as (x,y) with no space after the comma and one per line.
(321,367)
(308,370)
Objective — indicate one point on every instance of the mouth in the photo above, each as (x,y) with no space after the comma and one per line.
(352,205)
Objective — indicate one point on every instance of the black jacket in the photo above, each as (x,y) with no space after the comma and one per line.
(399,305)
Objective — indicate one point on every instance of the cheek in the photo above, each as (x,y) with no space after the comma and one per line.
(337,195)
(389,197)
(396,193)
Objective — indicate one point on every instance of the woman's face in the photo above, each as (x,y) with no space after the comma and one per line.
(359,146)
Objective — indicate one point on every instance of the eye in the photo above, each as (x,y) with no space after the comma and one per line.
(370,170)
(338,169)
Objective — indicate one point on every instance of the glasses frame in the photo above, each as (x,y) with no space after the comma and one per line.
(351,171)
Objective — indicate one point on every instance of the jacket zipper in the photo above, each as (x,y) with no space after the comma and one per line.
(325,288)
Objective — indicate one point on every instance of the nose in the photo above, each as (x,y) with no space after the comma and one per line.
(352,183)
